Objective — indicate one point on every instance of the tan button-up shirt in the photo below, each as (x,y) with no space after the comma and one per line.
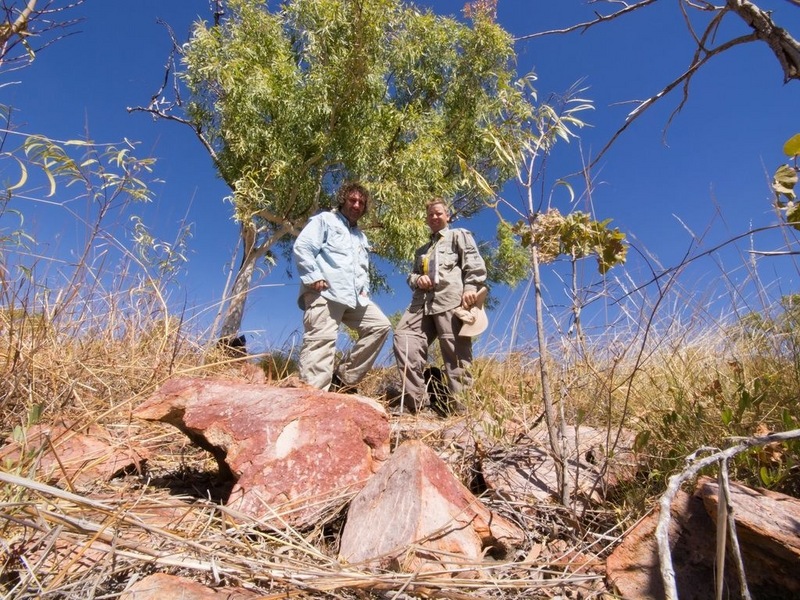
(459,268)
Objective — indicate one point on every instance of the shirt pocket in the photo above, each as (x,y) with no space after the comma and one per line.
(338,243)
(448,259)
(362,257)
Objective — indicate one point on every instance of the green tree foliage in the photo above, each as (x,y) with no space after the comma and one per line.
(292,102)
(575,235)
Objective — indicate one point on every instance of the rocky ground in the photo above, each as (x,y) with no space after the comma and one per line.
(255,490)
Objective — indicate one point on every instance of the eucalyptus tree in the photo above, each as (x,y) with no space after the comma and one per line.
(292,101)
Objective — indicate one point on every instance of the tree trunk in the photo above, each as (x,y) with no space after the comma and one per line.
(237,297)
(234,311)
(576,308)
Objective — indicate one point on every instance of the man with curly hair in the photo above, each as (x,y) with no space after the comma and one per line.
(332,258)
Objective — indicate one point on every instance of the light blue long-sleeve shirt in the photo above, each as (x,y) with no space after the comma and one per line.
(329,248)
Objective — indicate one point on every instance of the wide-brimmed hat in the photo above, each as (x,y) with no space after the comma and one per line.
(474,320)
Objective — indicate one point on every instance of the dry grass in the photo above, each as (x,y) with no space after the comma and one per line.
(88,548)
(97,542)
(87,353)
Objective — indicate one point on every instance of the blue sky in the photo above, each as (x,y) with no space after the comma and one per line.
(709,175)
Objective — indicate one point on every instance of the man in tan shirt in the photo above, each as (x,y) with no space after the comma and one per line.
(449,273)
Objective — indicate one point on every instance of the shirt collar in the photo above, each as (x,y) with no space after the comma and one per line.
(435,237)
(344,219)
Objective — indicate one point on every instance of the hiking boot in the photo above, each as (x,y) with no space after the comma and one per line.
(338,386)
(451,408)
(400,403)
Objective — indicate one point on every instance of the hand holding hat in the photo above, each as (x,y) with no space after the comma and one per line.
(474,319)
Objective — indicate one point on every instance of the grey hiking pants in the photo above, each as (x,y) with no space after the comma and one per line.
(321,321)
(412,338)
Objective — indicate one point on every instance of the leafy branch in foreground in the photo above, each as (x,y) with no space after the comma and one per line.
(785,180)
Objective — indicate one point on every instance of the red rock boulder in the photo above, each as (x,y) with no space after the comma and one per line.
(768,530)
(73,457)
(415,515)
(161,586)
(296,454)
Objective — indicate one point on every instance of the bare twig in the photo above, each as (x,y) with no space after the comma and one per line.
(682,79)
(725,498)
(723,513)
(587,24)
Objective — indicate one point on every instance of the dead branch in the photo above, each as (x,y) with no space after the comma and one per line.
(586,25)
(730,522)
(694,466)
(161,108)
(684,79)
(785,48)
(774,252)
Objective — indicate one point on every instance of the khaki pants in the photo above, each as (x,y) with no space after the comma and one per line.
(321,322)
(412,338)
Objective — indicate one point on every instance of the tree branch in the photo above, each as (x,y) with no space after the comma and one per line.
(169,117)
(684,78)
(586,25)
(31,23)
(785,48)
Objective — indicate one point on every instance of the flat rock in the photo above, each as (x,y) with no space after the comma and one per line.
(632,569)
(768,529)
(73,457)
(415,515)
(527,472)
(296,454)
